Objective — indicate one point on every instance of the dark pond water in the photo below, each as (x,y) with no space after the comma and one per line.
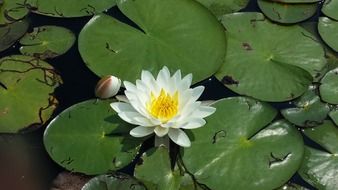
(24,164)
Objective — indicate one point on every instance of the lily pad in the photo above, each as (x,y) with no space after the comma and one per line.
(329,87)
(330,8)
(334,116)
(239,151)
(26,90)
(194,41)
(320,168)
(155,172)
(287,13)
(90,138)
(47,42)
(265,67)
(10,33)
(69,8)
(114,181)
(310,110)
(222,7)
(328,30)
(12,10)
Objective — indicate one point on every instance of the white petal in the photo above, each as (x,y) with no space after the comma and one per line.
(203,111)
(161,131)
(122,98)
(141,131)
(179,137)
(129,86)
(135,118)
(185,83)
(197,92)
(122,107)
(194,123)
(163,77)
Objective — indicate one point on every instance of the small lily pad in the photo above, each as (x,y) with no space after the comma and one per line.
(26,90)
(320,168)
(330,8)
(90,138)
(12,10)
(328,30)
(69,8)
(310,110)
(287,13)
(116,181)
(329,87)
(47,42)
(155,171)
(242,149)
(265,67)
(193,40)
(10,33)
(222,7)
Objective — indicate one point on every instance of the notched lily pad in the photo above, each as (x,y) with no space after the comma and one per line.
(69,8)
(26,90)
(329,87)
(12,10)
(287,13)
(328,30)
(47,42)
(90,138)
(330,8)
(194,41)
(260,65)
(239,151)
(320,167)
(114,181)
(310,110)
(10,33)
(222,7)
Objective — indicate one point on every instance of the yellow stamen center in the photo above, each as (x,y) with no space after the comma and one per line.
(164,107)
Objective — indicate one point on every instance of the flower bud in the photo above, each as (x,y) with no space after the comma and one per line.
(107,87)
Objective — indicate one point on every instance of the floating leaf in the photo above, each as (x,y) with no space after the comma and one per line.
(47,42)
(69,8)
(155,170)
(193,41)
(116,181)
(265,67)
(90,138)
(287,13)
(320,168)
(329,87)
(26,90)
(10,33)
(222,7)
(12,10)
(310,110)
(328,30)
(239,152)
(330,8)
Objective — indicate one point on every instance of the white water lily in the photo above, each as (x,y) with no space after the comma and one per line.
(163,106)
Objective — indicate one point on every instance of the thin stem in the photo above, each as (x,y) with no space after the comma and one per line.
(162,141)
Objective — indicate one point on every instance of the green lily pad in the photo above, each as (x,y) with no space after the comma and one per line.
(69,8)
(12,10)
(116,181)
(294,1)
(320,168)
(265,67)
(26,90)
(155,172)
(222,7)
(90,138)
(47,42)
(329,87)
(334,116)
(310,110)
(328,30)
(287,13)
(10,33)
(238,151)
(330,8)
(194,41)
